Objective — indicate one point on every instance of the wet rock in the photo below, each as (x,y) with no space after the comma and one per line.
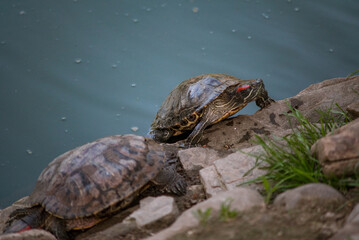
(351,227)
(244,199)
(197,158)
(229,172)
(154,210)
(339,153)
(314,194)
(237,132)
(34,234)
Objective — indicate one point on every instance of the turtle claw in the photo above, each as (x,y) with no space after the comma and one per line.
(179,187)
(264,102)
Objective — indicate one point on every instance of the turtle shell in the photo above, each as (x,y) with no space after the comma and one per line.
(191,96)
(97,176)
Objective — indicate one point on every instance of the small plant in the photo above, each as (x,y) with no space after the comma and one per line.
(353,73)
(288,160)
(226,213)
(203,216)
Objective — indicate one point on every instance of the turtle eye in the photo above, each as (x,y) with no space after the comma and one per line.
(166,133)
(241,88)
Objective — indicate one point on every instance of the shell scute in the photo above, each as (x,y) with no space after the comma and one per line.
(191,97)
(97,175)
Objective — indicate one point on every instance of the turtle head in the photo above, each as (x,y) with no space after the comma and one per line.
(161,135)
(249,90)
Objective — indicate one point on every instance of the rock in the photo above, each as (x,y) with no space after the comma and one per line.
(196,193)
(237,132)
(227,173)
(339,153)
(197,158)
(33,234)
(353,216)
(211,181)
(351,227)
(244,199)
(314,194)
(4,213)
(116,231)
(353,110)
(154,210)
(239,167)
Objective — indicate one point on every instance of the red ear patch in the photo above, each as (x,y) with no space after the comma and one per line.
(242,88)
(25,229)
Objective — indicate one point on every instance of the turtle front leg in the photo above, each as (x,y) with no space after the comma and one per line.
(170,179)
(57,227)
(197,132)
(263,99)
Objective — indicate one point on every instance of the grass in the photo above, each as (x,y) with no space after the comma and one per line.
(353,73)
(226,213)
(203,216)
(288,160)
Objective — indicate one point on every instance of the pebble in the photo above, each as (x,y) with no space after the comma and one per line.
(134,129)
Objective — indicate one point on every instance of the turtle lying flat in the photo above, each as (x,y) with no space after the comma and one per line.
(202,101)
(84,186)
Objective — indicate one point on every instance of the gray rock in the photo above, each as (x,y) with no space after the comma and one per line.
(33,234)
(239,167)
(197,158)
(211,181)
(351,227)
(339,153)
(153,210)
(353,216)
(314,194)
(227,173)
(243,199)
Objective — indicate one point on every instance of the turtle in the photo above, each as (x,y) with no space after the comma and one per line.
(202,101)
(86,185)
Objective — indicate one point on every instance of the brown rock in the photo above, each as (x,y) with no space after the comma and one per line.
(237,132)
(351,227)
(197,158)
(339,153)
(353,110)
(315,194)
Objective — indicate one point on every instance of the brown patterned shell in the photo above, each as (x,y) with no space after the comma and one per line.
(192,96)
(95,176)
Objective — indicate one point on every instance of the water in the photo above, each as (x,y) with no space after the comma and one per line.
(75,71)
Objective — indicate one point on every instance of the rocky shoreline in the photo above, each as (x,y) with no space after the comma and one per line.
(214,172)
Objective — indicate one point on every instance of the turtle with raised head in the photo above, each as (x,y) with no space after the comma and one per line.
(202,101)
(90,183)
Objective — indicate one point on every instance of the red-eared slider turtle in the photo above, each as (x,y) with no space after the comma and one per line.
(86,185)
(202,101)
